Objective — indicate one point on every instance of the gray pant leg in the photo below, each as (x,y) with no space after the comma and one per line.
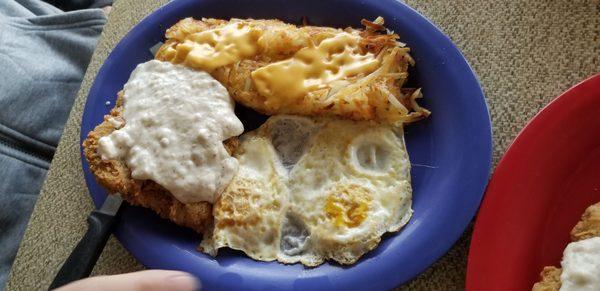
(43,56)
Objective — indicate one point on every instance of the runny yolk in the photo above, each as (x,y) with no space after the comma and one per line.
(348,205)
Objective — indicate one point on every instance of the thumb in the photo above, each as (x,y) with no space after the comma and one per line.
(151,280)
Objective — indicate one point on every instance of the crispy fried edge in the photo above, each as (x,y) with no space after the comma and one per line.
(587,227)
(550,279)
(115,176)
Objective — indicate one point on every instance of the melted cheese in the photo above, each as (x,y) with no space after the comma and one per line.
(211,49)
(281,83)
(313,68)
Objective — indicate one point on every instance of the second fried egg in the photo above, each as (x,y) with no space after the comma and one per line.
(309,190)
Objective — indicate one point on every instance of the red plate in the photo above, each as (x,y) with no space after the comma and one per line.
(539,190)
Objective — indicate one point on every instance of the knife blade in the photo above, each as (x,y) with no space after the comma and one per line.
(81,261)
(112,204)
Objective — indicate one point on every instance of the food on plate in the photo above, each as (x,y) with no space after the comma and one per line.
(324,178)
(279,68)
(589,225)
(176,122)
(162,146)
(311,189)
(581,258)
(550,279)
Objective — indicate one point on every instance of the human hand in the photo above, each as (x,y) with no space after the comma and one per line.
(151,280)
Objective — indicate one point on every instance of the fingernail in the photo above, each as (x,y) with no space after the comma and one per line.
(183,282)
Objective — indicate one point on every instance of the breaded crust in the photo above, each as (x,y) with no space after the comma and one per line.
(550,279)
(587,227)
(115,176)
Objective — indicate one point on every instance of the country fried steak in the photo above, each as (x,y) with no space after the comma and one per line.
(587,227)
(115,176)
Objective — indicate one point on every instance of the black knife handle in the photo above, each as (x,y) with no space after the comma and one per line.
(83,258)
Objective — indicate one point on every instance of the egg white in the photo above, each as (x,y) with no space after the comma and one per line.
(310,189)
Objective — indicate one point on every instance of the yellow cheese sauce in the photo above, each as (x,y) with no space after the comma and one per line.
(211,49)
(312,68)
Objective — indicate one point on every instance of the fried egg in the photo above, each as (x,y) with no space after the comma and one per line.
(313,189)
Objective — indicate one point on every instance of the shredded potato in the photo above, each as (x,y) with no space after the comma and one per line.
(370,95)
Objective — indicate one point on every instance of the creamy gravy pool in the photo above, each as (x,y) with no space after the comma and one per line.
(176,119)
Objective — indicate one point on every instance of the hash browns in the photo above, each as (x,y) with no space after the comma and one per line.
(378,95)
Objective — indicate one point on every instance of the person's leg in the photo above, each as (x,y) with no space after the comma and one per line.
(16,200)
(26,8)
(69,5)
(44,53)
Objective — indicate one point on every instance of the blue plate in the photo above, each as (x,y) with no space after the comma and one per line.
(450,152)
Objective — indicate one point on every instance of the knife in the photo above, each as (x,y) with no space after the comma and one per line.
(83,258)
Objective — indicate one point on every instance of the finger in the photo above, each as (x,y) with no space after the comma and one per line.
(151,280)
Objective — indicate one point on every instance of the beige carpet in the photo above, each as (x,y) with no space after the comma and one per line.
(524,52)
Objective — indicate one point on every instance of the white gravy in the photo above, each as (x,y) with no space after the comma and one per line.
(176,119)
(581,266)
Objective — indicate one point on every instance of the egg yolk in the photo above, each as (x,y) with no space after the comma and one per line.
(348,205)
